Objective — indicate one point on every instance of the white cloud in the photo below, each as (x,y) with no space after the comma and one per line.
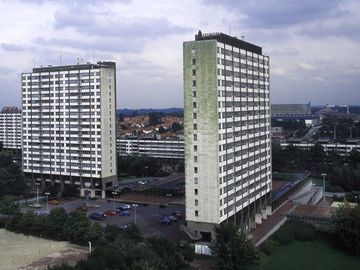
(313,46)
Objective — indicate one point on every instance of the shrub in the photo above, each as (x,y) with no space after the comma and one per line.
(268,247)
(283,236)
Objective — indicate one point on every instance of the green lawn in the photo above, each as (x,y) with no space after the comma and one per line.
(315,255)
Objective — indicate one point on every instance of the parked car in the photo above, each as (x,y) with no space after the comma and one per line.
(172,218)
(162,206)
(125,213)
(165,221)
(97,216)
(178,215)
(110,213)
(124,207)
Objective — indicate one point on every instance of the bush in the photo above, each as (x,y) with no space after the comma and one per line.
(283,236)
(268,247)
(188,252)
(294,229)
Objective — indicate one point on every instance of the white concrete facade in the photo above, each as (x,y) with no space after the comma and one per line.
(10,128)
(227,129)
(166,149)
(68,115)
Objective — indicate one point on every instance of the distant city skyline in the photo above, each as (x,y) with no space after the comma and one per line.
(314,46)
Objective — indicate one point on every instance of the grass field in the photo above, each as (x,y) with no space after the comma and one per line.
(314,255)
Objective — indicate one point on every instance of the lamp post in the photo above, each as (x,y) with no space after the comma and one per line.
(114,193)
(47,201)
(37,194)
(323,175)
(146,168)
(87,186)
(135,206)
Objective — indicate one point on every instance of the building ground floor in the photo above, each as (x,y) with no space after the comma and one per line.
(246,219)
(87,186)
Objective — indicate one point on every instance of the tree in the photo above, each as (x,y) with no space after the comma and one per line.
(133,233)
(9,207)
(346,228)
(55,223)
(12,180)
(232,250)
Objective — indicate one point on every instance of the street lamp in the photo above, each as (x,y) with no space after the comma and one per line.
(87,186)
(323,175)
(37,194)
(114,193)
(47,201)
(146,168)
(135,206)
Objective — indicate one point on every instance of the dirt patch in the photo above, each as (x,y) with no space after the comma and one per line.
(68,256)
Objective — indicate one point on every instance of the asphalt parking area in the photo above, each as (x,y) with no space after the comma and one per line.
(147,218)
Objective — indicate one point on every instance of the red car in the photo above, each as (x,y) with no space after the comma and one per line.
(110,213)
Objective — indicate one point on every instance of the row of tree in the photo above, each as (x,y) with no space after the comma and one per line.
(343,172)
(114,248)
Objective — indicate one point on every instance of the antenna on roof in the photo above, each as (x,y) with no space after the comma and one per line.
(229,30)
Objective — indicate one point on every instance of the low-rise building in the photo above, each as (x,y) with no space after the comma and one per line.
(341,148)
(151,147)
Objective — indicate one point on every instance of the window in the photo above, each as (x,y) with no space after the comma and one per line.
(195,170)
(195,137)
(196,180)
(195,148)
(196,213)
(196,191)
(195,159)
(194,93)
(195,126)
(194,115)
(194,72)
(194,104)
(194,61)
(194,83)
(196,202)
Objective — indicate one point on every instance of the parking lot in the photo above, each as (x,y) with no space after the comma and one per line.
(146,217)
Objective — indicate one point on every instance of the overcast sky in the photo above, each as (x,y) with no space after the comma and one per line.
(314,45)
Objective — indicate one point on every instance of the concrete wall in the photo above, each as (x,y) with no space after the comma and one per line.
(204,52)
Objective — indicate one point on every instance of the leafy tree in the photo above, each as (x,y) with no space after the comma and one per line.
(55,223)
(133,233)
(232,250)
(76,227)
(9,207)
(176,126)
(12,180)
(346,228)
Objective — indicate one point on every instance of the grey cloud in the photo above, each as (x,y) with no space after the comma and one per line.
(11,47)
(348,30)
(278,13)
(97,44)
(113,25)
(76,2)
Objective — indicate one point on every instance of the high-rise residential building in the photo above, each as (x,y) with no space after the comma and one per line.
(10,128)
(68,118)
(227,132)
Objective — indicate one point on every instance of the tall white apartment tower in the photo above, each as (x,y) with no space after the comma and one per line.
(68,126)
(10,128)
(227,133)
